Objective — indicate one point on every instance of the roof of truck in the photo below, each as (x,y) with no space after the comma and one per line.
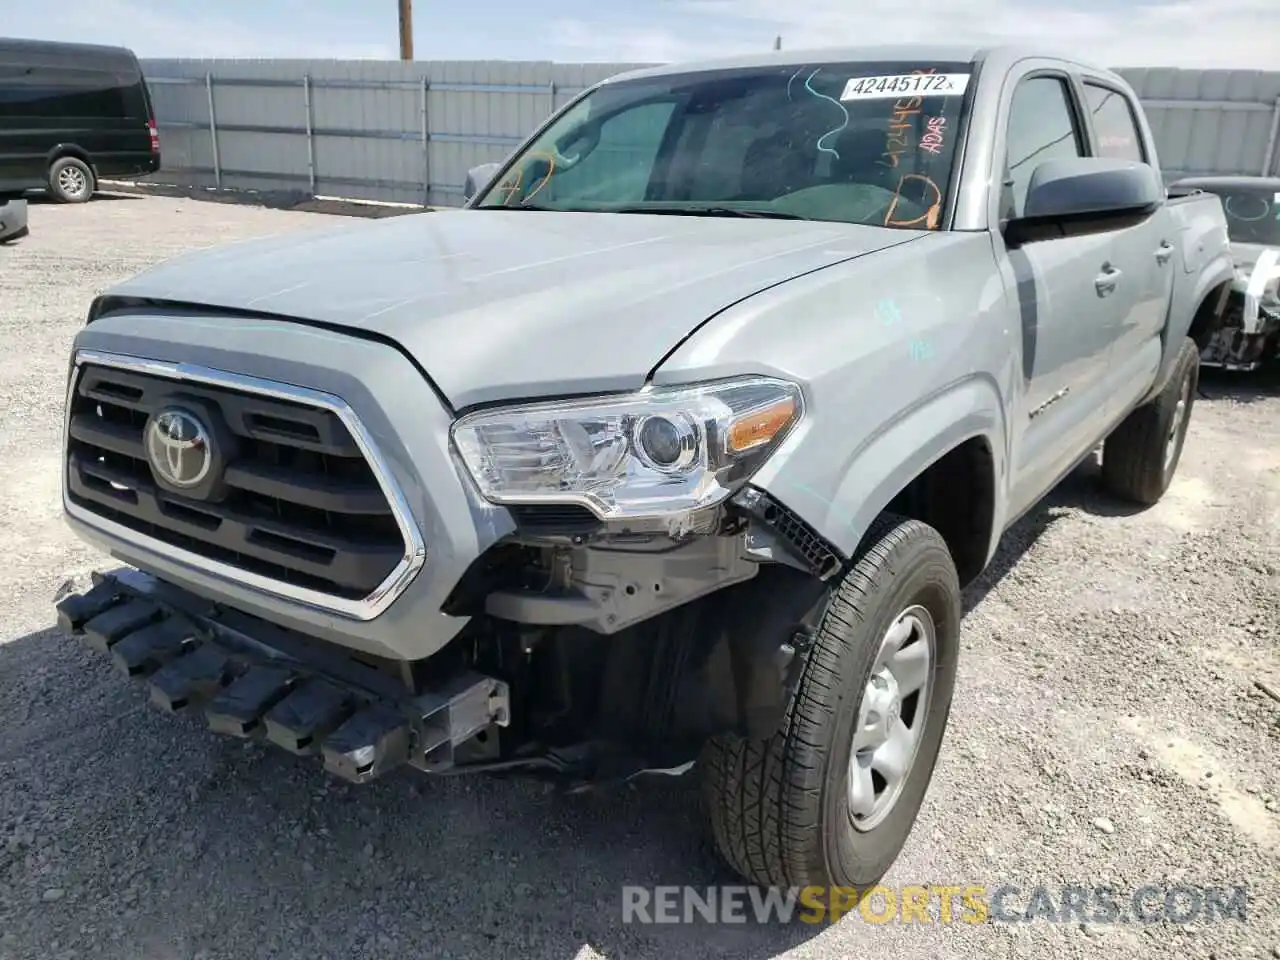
(921,52)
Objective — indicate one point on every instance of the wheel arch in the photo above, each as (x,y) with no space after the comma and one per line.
(1208,313)
(1212,294)
(69,150)
(956,495)
(942,462)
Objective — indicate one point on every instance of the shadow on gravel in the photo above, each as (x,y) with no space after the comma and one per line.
(40,198)
(126,833)
(1262,384)
(1080,490)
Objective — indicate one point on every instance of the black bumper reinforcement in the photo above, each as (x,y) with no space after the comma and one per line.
(253,680)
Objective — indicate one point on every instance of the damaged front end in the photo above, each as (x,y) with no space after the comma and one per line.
(1240,345)
(647,598)
(592,655)
(253,680)
(1249,334)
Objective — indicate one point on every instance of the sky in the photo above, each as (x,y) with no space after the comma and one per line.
(1117,33)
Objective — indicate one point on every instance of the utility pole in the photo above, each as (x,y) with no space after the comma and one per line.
(406,29)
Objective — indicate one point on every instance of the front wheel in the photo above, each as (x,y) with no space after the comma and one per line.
(830,799)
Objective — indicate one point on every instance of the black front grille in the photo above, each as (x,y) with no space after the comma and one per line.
(300,504)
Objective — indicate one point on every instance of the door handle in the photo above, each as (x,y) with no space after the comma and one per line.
(1164,252)
(1105,282)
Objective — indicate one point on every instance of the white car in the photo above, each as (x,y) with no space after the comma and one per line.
(1249,335)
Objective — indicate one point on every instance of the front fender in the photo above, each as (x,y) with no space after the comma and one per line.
(902,354)
(841,504)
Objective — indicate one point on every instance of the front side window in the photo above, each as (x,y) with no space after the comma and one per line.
(618,167)
(1113,123)
(1042,126)
(871,143)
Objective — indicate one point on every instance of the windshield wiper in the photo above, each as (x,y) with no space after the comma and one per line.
(681,211)
(711,211)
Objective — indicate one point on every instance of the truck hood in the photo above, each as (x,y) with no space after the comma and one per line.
(504,305)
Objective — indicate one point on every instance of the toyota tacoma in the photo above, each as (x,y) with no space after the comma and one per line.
(673,448)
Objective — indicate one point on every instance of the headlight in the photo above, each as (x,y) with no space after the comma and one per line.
(647,454)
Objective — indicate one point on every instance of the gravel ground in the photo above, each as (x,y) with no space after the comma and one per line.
(1108,672)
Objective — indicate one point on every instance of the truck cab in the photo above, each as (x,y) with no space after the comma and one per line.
(673,449)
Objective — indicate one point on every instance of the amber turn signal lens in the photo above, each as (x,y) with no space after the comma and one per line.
(760,426)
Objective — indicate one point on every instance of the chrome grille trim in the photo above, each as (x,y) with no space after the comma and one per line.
(365,608)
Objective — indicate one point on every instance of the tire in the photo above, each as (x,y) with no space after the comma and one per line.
(780,808)
(71,180)
(1141,456)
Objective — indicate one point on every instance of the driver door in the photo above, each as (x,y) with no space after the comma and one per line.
(1066,293)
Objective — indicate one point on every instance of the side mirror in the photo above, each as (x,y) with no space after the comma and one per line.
(478,178)
(1079,195)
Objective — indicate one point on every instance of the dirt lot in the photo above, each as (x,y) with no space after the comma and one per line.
(1109,667)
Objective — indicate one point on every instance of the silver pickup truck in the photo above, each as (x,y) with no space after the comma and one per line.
(676,446)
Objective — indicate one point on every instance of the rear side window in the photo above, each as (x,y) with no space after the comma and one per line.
(64,93)
(1042,126)
(133,95)
(1113,122)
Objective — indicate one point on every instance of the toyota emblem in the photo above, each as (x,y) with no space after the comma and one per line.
(178,448)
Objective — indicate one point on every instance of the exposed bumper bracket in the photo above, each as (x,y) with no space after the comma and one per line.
(252,680)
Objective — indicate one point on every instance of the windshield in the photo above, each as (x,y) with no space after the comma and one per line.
(1253,213)
(869,143)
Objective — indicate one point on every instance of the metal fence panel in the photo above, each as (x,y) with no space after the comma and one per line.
(1211,121)
(409,131)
